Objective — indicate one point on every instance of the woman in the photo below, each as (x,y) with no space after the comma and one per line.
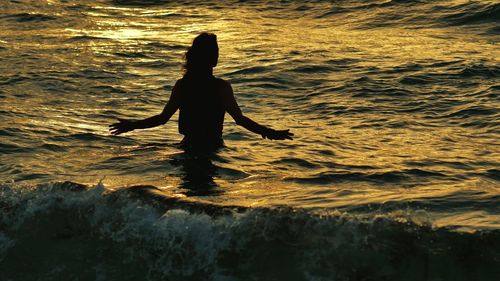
(202,100)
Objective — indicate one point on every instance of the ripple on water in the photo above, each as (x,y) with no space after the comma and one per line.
(405,178)
(132,54)
(30,17)
(231,174)
(84,38)
(14,79)
(159,64)
(94,74)
(167,46)
(479,70)
(452,73)
(471,13)
(295,162)
(472,112)
(249,70)
(311,69)
(435,162)
(87,139)
(109,89)
(10,148)
(51,147)
(490,174)
(416,80)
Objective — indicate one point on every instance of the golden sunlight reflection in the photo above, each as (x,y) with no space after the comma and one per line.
(364,102)
(375,47)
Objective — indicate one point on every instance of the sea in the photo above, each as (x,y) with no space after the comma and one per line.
(393,172)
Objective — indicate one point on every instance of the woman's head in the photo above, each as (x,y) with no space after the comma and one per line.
(203,54)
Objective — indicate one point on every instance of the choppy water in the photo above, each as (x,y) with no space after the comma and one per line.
(393,174)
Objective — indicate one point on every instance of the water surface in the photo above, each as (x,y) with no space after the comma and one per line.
(394,105)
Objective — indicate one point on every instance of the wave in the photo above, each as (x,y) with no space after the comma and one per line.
(415,13)
(453,73)
(473,116)
(14,79)
(30,17)
(472,13)
(369,14)
(72,231)
(159,64)
(8,148)
(78,38)
(480,70)
(169,46)
(399,177)
(140,2)
(472,111)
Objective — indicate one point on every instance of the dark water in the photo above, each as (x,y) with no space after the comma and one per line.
(393,174)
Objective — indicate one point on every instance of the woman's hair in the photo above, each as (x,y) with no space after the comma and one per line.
(203,54)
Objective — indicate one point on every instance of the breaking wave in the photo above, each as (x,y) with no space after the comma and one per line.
(68,231)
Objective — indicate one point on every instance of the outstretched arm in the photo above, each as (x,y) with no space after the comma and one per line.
(129,125)
(234,110)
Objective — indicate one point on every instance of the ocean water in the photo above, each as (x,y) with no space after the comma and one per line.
(393,173)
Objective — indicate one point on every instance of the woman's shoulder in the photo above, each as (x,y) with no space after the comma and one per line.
(190,81)
(180,81)
(222,83)
(183,82)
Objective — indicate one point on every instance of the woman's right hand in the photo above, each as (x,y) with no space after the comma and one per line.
(278,134)
(121,127)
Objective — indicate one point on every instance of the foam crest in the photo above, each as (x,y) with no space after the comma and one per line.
(125,237)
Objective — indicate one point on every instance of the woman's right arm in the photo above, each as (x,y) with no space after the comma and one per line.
(170,108)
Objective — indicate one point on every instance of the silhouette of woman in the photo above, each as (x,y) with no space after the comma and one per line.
(202,100)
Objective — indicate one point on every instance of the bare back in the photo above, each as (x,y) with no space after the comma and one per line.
(201,108)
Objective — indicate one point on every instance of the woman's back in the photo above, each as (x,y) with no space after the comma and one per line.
(201,108)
